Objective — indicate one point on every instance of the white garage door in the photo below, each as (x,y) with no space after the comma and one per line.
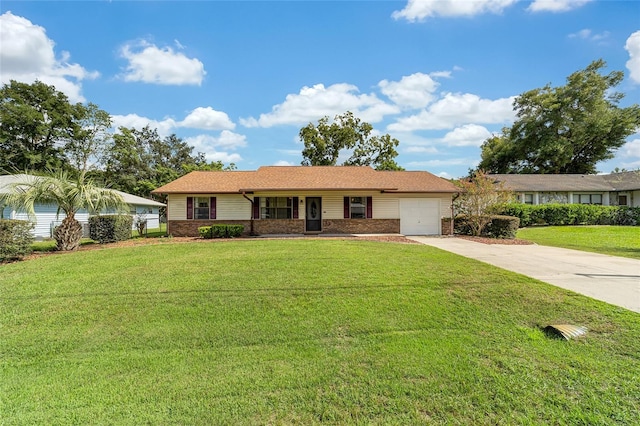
(419,216)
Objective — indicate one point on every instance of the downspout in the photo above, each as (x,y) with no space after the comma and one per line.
(251,232)
(453,199)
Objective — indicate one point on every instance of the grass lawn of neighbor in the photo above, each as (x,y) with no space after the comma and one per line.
(303,332)
(613,240)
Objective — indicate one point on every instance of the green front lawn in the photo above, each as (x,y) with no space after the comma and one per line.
(612,240)
(303,332)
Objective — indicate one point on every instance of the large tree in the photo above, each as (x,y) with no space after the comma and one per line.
(91,136)
(36,121)
(324,142)
(566,129)
(138,161)
(69,195)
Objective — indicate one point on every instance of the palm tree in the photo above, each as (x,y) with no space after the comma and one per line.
(70,195)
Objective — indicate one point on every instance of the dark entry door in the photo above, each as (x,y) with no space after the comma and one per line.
(314,214)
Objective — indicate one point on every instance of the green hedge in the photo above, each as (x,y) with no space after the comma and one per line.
(504,227)
(573,214)
(110,228)
(220,231)
(499,226)
(15,239)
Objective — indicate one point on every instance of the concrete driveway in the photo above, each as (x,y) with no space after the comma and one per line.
(612,279)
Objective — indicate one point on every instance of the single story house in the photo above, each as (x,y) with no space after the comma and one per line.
(615,189)
(47,218)
(311,199)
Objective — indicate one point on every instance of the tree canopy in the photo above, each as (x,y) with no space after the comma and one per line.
(324,142)
(566,129)
(35,123)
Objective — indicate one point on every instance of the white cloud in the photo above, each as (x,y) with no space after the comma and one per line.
(633,64)
(556,5)
(227,139)
(587,34)
(283,163)
(28,55)
(207,118)
(467,135)
(418,10)
(151,64)
(439,163)
(210,145)
(631,149)
(421,150)
(456,109)
(313,103)
(413,91)
(164,127)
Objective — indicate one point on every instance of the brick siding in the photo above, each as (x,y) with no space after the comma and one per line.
(447,223)
(189,228)
(361,226)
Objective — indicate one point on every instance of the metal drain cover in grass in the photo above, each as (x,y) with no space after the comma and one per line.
(565,331)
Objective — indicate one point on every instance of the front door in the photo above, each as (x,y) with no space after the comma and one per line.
(314,214)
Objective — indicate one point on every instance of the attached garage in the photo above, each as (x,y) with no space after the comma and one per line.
(419,216)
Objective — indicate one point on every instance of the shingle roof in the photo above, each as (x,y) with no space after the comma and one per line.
(612,182)
(302,178)
(625,181)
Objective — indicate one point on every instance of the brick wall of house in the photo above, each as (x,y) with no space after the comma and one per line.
(446,222)
(278,226)
(361,226)
(189,228)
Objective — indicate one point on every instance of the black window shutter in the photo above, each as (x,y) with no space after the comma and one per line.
(347,213)
(212,208)
(189,207)
(256,207)
(295,207)
(369,207)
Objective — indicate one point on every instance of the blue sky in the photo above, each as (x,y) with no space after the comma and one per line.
(238,79)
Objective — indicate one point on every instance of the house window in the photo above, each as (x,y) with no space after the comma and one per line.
(358,207)
(201,208)
(622,200)
(528,198)
(590,199)
(276,207)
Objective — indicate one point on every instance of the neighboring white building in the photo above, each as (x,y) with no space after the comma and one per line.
(47,218)
(615,189)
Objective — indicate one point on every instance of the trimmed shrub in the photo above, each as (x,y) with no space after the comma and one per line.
(573,214)
(227,231)
(15,239)
(220,231)
(629,216)
(461,225)
(205,232)
(499,226)
(504,227)
(110,228)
